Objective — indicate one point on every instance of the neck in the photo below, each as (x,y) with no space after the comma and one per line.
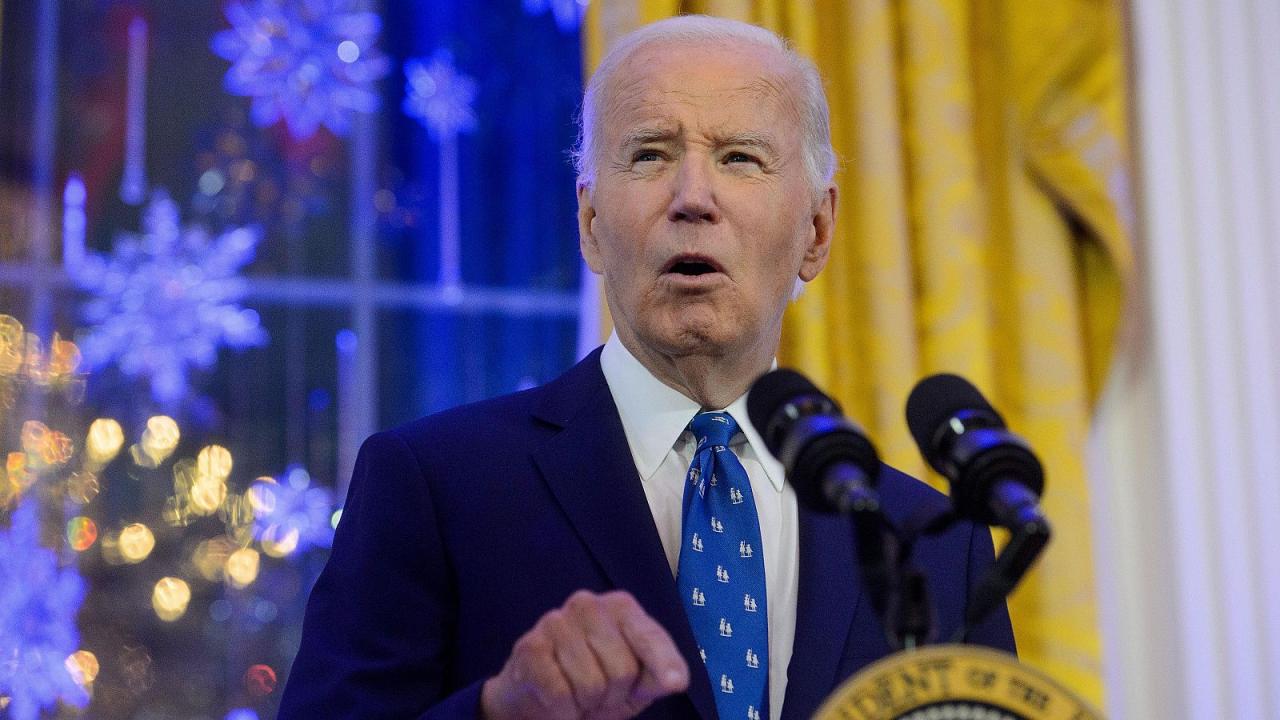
(711,379)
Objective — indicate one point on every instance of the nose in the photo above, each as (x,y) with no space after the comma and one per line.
(693,198)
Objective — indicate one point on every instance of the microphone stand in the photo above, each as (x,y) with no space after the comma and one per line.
(1017,556)
(900,593)
(913,615)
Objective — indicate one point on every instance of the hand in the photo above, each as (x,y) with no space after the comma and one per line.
(597,657)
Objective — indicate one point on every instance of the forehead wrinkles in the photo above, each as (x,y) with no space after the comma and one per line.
(776,89)
(644,98)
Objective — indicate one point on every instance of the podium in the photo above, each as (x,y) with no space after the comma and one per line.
(953,682)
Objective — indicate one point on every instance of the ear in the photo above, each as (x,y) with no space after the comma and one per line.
(821,233)
(587,242)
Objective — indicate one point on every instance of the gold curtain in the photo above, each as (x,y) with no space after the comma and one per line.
(982,229)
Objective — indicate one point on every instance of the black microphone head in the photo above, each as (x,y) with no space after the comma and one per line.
(771,393)
(965,439)
(937,399)
(804,429)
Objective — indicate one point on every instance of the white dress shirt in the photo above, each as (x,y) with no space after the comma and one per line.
(655,419)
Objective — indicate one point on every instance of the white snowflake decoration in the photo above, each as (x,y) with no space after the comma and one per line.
(165,300)
(38,606)
(308,62)
(568,13)
(438,95)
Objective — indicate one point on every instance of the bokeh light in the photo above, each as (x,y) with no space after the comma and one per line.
(83,666)
(261,497)
(45,447)
(290,515)
(12,339)
(265,610)
(214,461)
(199,488)
(82,487)
(82,533)
(210,557)
(13,479)
(207,495)
(279,540)
(260,680)
(170,598)
(237,516)
(64,360)
(136,542)
(242,567)
(110,546)
(208,489)
(102,443)
(241,714)
(158,441)
(16,464)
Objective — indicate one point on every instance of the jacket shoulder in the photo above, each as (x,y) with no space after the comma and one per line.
(906,498)
(512,417)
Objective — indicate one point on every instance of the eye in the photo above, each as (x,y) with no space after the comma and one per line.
(737,156)
(646,156)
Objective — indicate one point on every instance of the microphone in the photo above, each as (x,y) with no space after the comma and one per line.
(995,477)
(834,468)
(995,480)
(828,460)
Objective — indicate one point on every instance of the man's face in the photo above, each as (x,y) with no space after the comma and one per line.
(701,217)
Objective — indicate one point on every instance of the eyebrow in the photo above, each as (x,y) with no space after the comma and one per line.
(763,142)
(757,140)
(643,136)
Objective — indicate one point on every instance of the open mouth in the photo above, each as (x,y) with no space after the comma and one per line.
(692,266)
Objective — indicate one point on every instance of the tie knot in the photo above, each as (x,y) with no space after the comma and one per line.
(715,427)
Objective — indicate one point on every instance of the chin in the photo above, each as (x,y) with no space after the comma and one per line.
(698,338)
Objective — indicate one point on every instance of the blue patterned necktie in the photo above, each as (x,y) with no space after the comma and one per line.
(721,572)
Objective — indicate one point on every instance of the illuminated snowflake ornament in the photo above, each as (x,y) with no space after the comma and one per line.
(165,300)
(291,515)
(38,606)
(568,13)
(438,96)
(308,62)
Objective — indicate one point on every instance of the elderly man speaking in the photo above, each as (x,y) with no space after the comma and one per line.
(618,542)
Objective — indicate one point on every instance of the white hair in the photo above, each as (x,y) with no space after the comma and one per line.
(818,155)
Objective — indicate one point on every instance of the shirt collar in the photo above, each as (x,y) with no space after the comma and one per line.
(655,414)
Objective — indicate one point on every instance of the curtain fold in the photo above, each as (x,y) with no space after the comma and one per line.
(982,229)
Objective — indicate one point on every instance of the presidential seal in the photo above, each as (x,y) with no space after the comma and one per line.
(953,682)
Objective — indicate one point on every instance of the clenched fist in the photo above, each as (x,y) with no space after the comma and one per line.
(597,657)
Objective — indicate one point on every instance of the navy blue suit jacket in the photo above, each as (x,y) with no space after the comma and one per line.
(461,529)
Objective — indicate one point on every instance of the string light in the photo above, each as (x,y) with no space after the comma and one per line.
(82,533)
(157,443)
(14,479)
(136,543)
(260,680)
(279,541)
(242,567)
(46,448)
(170,598)
(83,666)
(82,487)
(102,443)
(210,557)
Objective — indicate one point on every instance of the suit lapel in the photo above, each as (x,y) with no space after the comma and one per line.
(830,592)
(589,469)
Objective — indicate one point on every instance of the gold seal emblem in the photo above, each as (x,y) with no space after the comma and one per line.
(953,682)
